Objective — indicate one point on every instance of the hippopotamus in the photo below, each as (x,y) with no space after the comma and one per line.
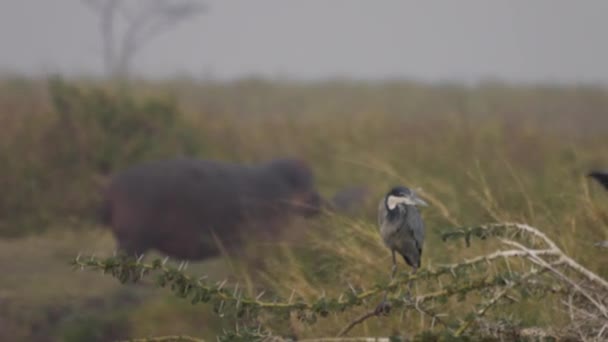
(192,209)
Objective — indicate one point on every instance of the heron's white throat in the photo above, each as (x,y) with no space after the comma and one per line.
(393,201)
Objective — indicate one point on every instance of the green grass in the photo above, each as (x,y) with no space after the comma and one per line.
(486,154)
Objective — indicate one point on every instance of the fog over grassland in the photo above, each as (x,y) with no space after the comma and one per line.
(369,95)
(517,41)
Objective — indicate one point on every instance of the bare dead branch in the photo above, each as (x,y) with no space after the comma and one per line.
(564,259)
(603,244)
(358,320)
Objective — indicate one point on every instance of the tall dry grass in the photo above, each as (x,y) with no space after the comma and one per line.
(484,154)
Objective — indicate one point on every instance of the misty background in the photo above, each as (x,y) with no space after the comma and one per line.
(493,111)
(467,41)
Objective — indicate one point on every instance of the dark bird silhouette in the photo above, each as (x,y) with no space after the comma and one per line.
(600,176)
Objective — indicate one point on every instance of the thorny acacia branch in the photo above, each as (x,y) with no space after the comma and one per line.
(172,338)
(538,257)
(199,290)
(547,258)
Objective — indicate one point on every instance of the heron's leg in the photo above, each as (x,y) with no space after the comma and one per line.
(394,269)
(384,306)
(393,272)
(409,282)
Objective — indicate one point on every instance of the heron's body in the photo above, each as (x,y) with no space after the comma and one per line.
(402,231)
(401,226)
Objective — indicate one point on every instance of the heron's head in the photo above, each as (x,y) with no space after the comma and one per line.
(400,195)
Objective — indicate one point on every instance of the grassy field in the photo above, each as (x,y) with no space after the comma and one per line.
(490,153)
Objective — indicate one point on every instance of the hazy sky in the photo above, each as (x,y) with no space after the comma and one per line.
(515,40)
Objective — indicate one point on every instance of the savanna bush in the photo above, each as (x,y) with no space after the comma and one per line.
(56,163)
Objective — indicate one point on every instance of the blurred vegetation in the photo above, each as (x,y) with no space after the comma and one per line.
(456,298)
(56,162)
(487,153)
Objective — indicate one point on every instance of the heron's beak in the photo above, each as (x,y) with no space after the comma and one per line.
(419,201)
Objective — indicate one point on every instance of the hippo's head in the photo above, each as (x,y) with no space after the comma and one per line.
(301,195)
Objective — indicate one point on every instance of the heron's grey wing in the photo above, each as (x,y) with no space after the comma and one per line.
(416,227)
(381,213)
(409,236)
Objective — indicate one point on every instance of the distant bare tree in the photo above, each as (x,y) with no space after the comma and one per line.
(139,21)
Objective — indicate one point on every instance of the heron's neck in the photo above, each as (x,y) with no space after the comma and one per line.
(398,211)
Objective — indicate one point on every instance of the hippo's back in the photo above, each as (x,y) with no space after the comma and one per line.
(174,204)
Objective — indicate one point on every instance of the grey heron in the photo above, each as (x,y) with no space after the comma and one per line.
(401,227)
